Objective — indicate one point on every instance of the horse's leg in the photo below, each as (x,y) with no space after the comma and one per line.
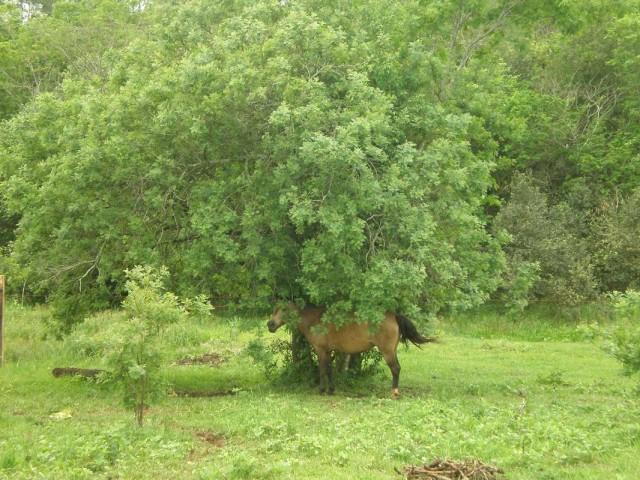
(324,366)
(391,357)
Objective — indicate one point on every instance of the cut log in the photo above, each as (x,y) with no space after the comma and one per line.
(76,372)
(202,393)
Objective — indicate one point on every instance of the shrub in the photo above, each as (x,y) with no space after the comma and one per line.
(547,258)
(283,364)
(625,341)
(625,346)
(134,347)
(616,244)
(626,305)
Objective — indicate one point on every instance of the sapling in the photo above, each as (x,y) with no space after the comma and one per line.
(136,356)
(625,342)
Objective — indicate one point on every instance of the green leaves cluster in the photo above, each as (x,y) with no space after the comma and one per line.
(351,154)
(135,351)
(266,152)
(624,342)
(547,257)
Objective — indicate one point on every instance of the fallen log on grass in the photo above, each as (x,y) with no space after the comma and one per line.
(179,392)
(76,372)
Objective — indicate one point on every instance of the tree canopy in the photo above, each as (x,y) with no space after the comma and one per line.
(351,154)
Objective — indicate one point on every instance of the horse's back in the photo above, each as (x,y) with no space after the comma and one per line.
(389,331)
(352,337)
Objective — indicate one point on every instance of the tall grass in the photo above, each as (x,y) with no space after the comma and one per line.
(540,322)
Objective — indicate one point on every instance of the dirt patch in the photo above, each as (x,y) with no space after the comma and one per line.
(203,393)
(211,438)
(212,359)
(452,470)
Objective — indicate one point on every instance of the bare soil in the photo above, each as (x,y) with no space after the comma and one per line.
(211,438)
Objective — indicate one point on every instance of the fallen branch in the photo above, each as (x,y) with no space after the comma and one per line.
(451,470)
(202,393)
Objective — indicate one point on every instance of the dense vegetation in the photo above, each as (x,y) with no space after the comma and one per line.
(366,155)
(423,156)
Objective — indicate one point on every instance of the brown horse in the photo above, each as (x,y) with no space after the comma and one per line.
(351,338)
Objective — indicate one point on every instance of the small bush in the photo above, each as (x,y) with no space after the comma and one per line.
(626,305)
(624,343)
(625,346)
(278,364)
(136,355)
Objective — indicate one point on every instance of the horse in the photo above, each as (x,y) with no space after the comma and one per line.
(351,338)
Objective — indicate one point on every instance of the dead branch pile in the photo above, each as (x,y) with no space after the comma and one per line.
(451,470)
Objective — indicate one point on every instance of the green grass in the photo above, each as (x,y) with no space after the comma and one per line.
(556,409)
(541,322)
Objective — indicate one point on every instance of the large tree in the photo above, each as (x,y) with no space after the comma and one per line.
(267,151)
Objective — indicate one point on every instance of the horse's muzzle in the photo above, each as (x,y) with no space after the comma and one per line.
(271,325)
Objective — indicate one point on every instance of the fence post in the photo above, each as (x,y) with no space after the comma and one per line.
(2,320)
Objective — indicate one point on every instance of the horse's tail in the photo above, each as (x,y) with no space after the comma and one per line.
(409,332)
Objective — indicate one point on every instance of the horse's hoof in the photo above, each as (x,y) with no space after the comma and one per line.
(395,393)
(331,391)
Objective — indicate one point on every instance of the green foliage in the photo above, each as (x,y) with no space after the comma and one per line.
(283,365)
(135,350)
(136,367)
(616,246)
(519,279)
(546,253)
(318,173)
(624,342)
(625,347)
(626,305)
(322,151)
(148,301)
(275,360)
(71,308)
(69,39)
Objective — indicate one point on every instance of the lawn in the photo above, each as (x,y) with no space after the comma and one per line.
(538,405)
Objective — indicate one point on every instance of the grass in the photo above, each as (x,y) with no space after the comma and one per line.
(539,323)
(554,409)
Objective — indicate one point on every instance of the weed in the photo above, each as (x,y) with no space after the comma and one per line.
(554,378)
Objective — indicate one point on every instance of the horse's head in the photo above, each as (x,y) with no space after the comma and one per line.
(276,320)
(279,317)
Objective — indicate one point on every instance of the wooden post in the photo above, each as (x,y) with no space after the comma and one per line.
(1,320)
